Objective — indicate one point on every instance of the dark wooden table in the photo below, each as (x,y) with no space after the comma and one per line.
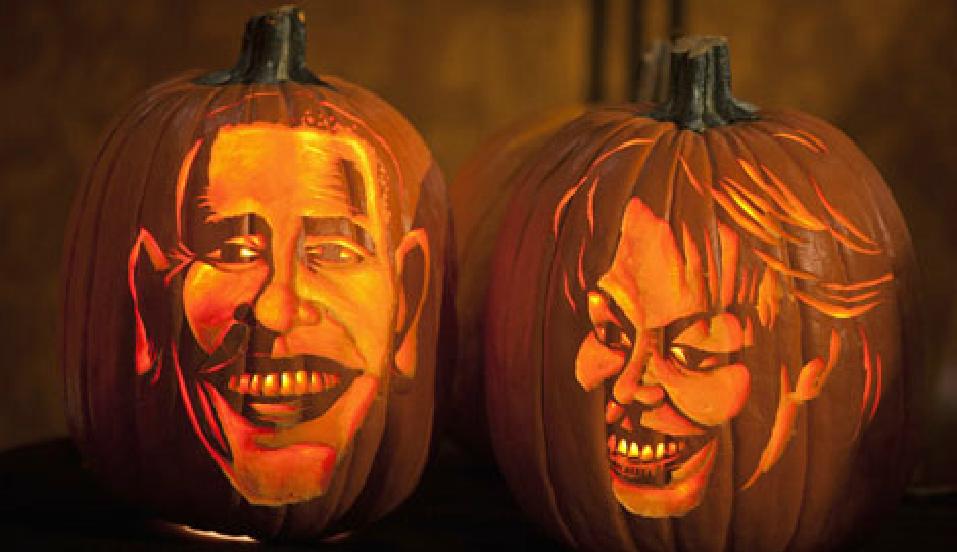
(48,502)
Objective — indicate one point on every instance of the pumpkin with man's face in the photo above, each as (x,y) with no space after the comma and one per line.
(252,279)
(699,330)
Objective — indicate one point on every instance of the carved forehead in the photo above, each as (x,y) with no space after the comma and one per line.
(262,166)
(657,279)
(649,277)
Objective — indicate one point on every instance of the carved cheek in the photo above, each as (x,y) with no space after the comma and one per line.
(210,298)
(709,397)
(595,363)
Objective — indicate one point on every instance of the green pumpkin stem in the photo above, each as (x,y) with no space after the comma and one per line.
(700,92)
(273,50)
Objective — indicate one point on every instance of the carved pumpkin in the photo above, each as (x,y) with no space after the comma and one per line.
(699,329)
(479,196)
(252,279)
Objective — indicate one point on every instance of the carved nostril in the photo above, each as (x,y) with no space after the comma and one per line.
(243,313)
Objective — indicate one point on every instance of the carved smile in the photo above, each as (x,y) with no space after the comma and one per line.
(648,457)
(279,393)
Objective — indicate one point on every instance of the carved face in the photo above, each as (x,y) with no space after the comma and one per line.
(662,351)
(290,293)
(677,323)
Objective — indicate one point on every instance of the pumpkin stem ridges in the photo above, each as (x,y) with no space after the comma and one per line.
(700,92)
(273,50)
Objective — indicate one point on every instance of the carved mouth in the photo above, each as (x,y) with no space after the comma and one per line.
(648,457)
(278,393)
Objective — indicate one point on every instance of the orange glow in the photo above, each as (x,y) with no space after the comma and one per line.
(780,267)
(840,217)
(768,225)
(145,352)
(213,535)
(568,293)
(741,219)
(181,181)
(817,141)
(810,382)
(832,310)
(581,268)
(780,431)
(722,333)
(715,291)
(768,296)
(868,371)
(298,278)
(795,138)
(851,245)
(685,380)
(560,208)
(690,176)
(743,285)
(877,389)
(692,271)
(590,208)
(649,266)
(729,263)
(854,298)
(860,285)
(791,204)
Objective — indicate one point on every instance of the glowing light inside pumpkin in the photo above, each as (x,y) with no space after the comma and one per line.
(213,535)
(653,282)
(296,228)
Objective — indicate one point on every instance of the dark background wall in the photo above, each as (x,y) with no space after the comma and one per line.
(884,71)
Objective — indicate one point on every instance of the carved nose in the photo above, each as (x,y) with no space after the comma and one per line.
(276,308)
(635,383)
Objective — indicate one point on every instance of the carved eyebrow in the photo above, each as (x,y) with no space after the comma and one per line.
(213,233)
(721,333)
(339,227)
(354,184)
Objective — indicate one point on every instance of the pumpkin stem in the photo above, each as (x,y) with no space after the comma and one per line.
(273,50)
(700,93)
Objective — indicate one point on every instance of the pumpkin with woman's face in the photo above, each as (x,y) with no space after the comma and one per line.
(700,333)
(252,279)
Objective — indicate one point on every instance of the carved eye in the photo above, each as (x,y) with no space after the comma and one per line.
(236,252)
(612,336)
(608,330)
(692,358)
(333,253)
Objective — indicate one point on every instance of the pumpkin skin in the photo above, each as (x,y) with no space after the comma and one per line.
(727,287)
(479,196)
(252,278)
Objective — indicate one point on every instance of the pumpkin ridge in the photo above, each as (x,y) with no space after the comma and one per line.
(68,279)
(619,133)
(787,253)
(711,235)
(101,187)
(163,127)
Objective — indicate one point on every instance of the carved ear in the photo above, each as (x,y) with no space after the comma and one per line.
(413,266)
(145,269)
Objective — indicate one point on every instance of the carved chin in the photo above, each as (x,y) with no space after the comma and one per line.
(676,498)
(272,466)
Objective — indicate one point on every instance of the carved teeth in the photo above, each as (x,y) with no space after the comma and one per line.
(300,382)
(644,452)
(634,451)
